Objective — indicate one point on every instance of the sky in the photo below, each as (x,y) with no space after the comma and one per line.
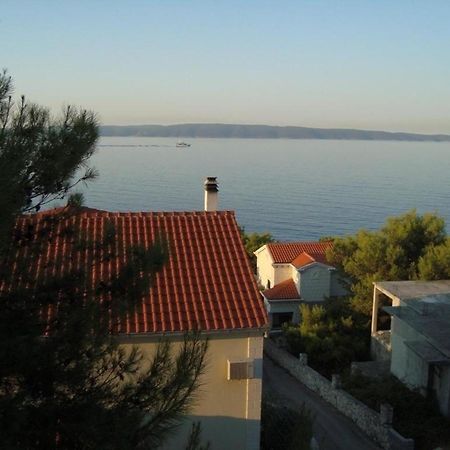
(343,63)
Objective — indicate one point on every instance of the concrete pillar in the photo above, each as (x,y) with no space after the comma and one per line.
(354,369)
(386,414)
(376,300)
(303,359)
(336,382)
(313,445)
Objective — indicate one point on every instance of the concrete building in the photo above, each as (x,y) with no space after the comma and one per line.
(418,341)
(207,285)
(295,273)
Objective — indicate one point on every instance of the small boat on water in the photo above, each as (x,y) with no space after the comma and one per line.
(183,144)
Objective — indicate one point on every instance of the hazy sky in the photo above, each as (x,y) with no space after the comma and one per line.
(360,64)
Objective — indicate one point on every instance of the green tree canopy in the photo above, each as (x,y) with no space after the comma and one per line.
(253,241)
(408,247)
(40,155)
(434,264)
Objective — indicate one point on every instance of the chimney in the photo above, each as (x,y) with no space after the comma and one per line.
(211,194)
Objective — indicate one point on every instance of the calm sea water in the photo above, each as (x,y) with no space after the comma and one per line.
(296,189)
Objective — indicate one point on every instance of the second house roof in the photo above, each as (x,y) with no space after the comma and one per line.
(287,252)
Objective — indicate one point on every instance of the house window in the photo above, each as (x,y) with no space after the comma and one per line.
(268,284)
(278,319)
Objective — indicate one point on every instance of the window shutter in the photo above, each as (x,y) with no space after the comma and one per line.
(240,370)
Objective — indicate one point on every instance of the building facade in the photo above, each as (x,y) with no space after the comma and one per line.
(294,273)
(417,344)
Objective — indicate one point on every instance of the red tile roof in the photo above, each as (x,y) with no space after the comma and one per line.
(286,290)
(286,252)
(206,284)
(304,259)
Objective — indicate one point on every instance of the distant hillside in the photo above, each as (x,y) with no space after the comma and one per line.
(220,130)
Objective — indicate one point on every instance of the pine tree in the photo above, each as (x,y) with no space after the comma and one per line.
(65,382)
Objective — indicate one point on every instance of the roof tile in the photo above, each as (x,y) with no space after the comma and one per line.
(207,282)
(305,259)
(286,252)
(286,290)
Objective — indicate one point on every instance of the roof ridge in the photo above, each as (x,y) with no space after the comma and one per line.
(287,281)
(299,242)
(286,252)
(102,212)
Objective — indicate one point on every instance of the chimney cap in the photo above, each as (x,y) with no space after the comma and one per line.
(211,184)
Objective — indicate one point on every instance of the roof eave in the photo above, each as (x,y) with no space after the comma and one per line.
(307,266)
(180,334)
(260,249)
(292,300)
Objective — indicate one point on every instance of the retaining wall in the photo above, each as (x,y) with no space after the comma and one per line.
(377,425)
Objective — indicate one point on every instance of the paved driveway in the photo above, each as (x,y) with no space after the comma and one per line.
(332,430)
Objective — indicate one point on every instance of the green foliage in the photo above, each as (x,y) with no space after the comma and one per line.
(327,239)
(435,263)
(414,415)
(40,155)
(75,200)
(283,428)
(65,382)
(253,241)
(410,246)
(401,250)
(312,320)
(331,334)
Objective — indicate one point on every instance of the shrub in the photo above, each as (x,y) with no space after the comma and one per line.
(330,335)
(415,416)
(283,428)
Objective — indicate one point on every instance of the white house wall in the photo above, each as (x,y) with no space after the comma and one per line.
(315,283)
(269,272)
(229,410)
(283,272)
(264,268)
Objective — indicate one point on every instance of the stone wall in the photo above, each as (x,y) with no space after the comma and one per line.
(398,442)
(378,426)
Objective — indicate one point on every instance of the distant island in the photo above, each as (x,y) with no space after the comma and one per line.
(220,130)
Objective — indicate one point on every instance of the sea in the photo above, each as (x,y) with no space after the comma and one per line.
(294,189)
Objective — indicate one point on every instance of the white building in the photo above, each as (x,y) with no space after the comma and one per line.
(418,342)
(294,273)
